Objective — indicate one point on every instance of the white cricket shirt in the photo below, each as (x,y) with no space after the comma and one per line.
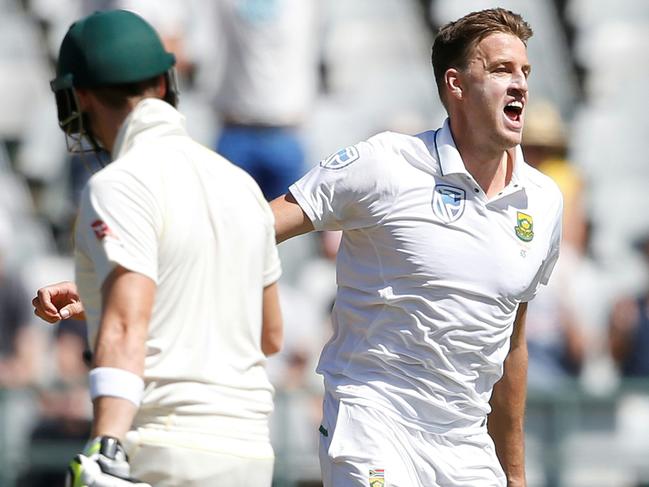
(430,274)
(199,227)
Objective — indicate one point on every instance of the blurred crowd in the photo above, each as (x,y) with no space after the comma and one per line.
(276,86)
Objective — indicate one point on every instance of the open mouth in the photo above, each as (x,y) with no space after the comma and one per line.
(513,110)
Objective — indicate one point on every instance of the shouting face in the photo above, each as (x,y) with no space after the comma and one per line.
(494,91)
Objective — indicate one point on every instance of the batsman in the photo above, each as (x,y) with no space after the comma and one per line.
(177,268)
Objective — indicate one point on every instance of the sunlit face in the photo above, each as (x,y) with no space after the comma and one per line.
(494,90)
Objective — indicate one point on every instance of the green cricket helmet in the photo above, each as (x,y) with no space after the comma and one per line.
(104,49)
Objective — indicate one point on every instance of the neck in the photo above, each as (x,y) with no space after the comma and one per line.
(110,121)
(491,168)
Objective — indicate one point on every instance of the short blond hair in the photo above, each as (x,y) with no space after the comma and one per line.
(456,40)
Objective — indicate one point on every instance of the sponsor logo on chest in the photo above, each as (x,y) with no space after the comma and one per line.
(448,202)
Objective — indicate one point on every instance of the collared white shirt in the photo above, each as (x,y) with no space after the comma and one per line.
(200,228)
(430,273)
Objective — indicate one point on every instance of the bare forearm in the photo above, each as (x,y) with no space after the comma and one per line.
(121,347)
(506,421)
(113,416)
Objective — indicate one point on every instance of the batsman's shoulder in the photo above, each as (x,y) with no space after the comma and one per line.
(123,179)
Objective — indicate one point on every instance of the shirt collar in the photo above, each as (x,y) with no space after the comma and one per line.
(448,157)
(450,161)
(151,118)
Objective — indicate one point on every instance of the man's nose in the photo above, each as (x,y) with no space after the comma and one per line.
(519,81)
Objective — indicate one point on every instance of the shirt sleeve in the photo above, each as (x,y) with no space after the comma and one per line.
(553,254)
(119,224)
(348,190)
(548,264)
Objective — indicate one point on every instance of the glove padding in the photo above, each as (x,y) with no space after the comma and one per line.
(103,463)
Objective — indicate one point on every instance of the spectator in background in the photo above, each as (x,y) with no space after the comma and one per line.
(629,328)
(269,81)
(18,351)
(556,338)
(21,348)
(64,402)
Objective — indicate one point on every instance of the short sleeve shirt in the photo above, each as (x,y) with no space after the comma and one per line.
(198,227)
(430,273)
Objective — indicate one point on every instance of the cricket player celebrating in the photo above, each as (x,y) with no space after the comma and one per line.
(446,237)
(176,266)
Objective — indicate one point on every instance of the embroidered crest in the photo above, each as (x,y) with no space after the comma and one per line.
(524,226)
(340,159)
(448,202)
(377,477)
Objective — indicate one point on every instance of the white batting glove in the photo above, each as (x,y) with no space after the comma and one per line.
(102,464)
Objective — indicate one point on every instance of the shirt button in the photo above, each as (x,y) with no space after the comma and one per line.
(516,186)
(476,190)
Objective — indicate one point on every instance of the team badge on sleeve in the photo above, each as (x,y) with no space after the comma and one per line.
(524,226)
(340,159)
(377,477)
(448,202)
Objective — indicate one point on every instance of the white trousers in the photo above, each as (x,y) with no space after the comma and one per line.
(361,447)
(166,458)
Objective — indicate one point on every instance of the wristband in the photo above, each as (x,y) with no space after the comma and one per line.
(110,381)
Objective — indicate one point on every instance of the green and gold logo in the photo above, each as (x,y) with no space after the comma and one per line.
(377,477)
(524,227)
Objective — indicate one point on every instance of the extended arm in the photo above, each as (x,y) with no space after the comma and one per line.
(121,344)
(508,406)
(290,219)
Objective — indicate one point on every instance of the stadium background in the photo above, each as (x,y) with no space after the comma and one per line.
(588,423)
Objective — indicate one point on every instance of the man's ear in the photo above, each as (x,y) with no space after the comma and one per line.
(453,84)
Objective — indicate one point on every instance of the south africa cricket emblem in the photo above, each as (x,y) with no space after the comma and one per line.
(377,477)
(524,227)
(340,159)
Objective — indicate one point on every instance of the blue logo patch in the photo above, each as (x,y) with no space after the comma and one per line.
(448,202)
(340,159)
